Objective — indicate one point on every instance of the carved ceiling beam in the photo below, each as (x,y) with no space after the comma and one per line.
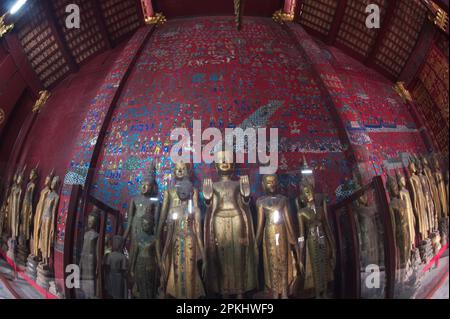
(335,26)
(4,26)
(102,23)
(59,36)
(385,25)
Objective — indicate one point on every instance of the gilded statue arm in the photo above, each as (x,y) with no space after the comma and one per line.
(292,236)
(52,221)
(157,220)
(162,221)
(245,189)
(261,221)
(208,191)
(301,238)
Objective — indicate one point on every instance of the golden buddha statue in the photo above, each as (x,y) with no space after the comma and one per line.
(411,219)
(4,210)
(399,217)
(14,205)
(433,186)
(229,233)
(27,206)
(49,211)
(143,265)
(171,200)
(144,203)
(429,204)
(316,242)
(38,214)
(418,200)
(183,248)
(441,188)
(276,232)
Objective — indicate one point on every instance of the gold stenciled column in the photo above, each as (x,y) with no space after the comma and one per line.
(41,101)
(239,12)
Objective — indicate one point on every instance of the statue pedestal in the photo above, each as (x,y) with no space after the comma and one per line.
(426,250)
(11,254)
(22,254)
(32,265)
(44,276)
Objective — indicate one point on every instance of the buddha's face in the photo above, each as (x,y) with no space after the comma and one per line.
(393,187)
(363,199)
(402,181)
(436,163)
(412,167)
(19,179)
(15,178)
(224,163)
(425,161)
(92,221)
(146,187)
(270,183)
(48,181)
(181,170)
(33,175)
(306,194)
(55,183)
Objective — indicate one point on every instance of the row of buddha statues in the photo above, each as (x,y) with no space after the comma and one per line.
(419,207)
(175,253)
(29,228)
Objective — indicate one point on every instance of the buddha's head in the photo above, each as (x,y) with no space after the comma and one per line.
(56,181)
(436,163)
(148,183)
(224,163)
(306,193)
(270,183)
(48,179)
(93,218)
(33,174)
(117,243)
(412,167)
(363,200)
(181,170)
(393,187)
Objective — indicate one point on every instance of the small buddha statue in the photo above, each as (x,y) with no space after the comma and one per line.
(89,256)
(184,247)
(229,233)
(143,264)
(418,200)
(47,229)
(441,188)
(429,204)
(145,202)
(369,234)
(399,217)
(14,205)
(115,268)
(171,200)
(411,219)
(276,233)
(38,214)
(316,241)
(432,185)
(27,206)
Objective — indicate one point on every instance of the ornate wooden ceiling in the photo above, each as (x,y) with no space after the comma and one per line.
(55,51)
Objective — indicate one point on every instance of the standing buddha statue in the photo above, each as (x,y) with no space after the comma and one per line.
(441,188)
(318,253)
(27,206)
(418,200)
(411,219)
(89,257)
(38,214)
(229,233)
(14,205)
(47,231)
(144,203)
(276,232)
(171,200)
(433,191)
(184,247)
(399,217)
(429,204)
